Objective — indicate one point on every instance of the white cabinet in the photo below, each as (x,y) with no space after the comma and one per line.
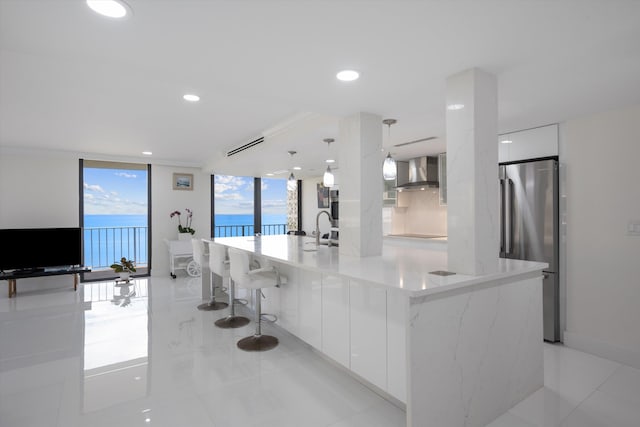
(310,307)
(368,306)
(335,318)
(397,309)
(528,144)
(289,313)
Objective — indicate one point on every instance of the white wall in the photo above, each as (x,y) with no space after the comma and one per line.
(165,200)
(39,188)
(601,154)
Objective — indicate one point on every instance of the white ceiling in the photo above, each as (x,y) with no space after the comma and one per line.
(73,80)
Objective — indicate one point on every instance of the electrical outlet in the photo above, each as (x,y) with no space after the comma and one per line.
(633,228)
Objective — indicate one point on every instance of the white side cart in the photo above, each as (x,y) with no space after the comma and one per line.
(180,253)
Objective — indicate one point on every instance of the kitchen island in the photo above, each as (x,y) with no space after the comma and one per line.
(457,350)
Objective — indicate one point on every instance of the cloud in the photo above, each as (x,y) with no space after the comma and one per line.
(264,185)
(221,188)
(274,204)
(226,182)
(95,188)
(228,196)
(112,206)
(125,175)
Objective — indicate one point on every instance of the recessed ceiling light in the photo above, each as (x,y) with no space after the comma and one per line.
(297,168)
(330,161)
(191,97)
(109,8)
(347,75)
(269,174)
(454,107)
(147,153)
(506,141)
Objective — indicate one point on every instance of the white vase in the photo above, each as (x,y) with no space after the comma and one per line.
(184,236)
(124,275)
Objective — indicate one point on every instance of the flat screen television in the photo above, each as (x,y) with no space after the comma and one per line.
(32,248)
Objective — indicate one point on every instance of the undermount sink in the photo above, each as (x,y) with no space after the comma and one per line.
(421,236)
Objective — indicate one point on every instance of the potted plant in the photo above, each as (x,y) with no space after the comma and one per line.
(124,268)
(185,230)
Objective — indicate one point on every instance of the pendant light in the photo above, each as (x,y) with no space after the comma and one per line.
(328,178)
(292,184)
(389,168)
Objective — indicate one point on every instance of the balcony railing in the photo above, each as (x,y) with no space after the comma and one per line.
(247,230)
(105,245)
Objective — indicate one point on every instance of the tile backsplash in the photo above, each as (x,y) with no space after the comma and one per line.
(419,212)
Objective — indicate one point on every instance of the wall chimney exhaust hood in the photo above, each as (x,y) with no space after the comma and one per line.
(418,173)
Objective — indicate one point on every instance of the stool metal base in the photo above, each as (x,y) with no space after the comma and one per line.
(230,322)
(258,343)
(212,305)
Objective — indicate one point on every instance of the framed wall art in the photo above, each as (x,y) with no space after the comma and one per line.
(183,181)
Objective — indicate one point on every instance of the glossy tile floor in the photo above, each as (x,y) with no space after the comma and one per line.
(144,355)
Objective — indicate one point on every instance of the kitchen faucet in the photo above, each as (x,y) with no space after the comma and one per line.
(318,226)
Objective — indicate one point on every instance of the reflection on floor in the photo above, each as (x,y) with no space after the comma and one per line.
(144,355)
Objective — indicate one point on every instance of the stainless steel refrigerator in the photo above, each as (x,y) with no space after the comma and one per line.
(529,226)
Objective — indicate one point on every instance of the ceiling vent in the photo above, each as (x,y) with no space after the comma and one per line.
(417,140)
(245,146)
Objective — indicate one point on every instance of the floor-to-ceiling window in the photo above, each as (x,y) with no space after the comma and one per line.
(244,206)
(274,205)
(115,215)
(233,206)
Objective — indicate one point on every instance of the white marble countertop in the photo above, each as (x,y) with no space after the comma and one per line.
(402,267)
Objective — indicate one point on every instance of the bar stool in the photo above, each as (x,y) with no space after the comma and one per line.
(219,265)
(194,267)
(256,279)
(216,266)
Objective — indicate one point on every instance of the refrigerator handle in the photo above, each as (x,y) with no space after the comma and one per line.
(502,225)
(508,226)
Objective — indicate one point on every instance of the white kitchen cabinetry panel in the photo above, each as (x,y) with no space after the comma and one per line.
(368,307)
(528,144)
(310,307)
(335,318)
(397,309)
(289,315)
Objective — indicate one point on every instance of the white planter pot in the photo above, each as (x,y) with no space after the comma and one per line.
(124,275)
(184,236)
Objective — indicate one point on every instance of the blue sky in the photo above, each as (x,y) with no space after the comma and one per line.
(115,192)
(234,195)
(121,192)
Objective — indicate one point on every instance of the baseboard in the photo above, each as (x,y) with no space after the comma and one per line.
(626,356)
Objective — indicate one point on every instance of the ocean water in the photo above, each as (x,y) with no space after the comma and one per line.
(107,238)
(242,225)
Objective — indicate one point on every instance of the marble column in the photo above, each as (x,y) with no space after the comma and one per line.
(360,142)
(472,172)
